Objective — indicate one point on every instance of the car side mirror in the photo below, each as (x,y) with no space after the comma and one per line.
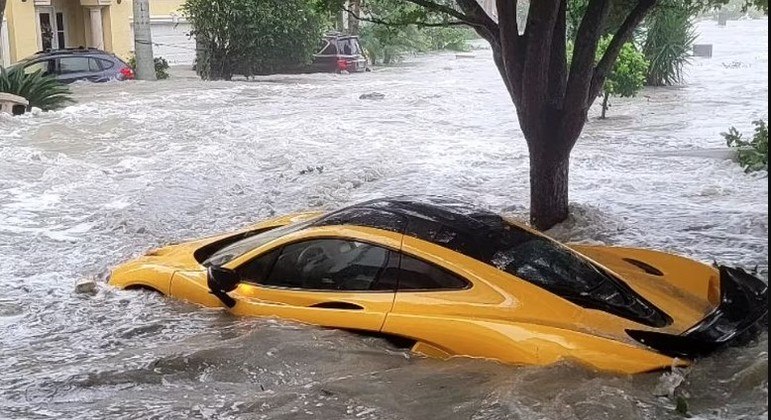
(222,280)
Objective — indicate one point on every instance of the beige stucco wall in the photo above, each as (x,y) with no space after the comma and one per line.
(118,20)
(23,32)
(22,28)
(165,7)
(73,19)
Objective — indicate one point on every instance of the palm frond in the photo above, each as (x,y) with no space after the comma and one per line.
(42,91)
(670,38)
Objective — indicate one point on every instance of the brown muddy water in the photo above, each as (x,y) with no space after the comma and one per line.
(136,165)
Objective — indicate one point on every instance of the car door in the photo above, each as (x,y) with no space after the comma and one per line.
(439,303)
(325,60)
(342,283)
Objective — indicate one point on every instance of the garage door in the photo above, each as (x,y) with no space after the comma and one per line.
(171,41)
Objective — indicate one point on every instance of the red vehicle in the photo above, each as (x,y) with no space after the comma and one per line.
(338,53)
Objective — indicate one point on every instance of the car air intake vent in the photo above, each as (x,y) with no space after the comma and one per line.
(644,267)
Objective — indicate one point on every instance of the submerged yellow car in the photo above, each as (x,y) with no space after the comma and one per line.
(453,280)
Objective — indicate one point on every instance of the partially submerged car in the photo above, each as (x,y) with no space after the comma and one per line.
(72,64)
(338,53)
(454,280)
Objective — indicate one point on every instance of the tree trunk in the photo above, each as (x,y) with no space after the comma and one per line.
(605,105)
(353,22)
(340,21)
(548,185)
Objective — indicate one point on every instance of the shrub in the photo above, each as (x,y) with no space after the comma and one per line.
(388,44)
(161,66)
(44,92)
(753,154)
(627,76)
(447,38)
(251,37)
(668,44)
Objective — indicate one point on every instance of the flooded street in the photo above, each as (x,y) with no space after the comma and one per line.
(136,165)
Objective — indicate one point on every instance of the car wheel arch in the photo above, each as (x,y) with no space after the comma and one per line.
(142,287)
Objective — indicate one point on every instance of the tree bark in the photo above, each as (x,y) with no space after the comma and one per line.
(605,105)
(549,170)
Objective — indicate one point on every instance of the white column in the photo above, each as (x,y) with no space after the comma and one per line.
(5,45)
(97,33)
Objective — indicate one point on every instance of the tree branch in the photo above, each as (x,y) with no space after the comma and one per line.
(511,44)
(621,37)
(558,76)
(403,23)
(430,5)
(584,52)
(471,14)
(486,26)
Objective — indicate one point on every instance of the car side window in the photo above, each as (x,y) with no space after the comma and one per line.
(330,49)
(329,264)
(73,65)
(415,274)
(93,65)
(43,66)
(106,64)
(257,270)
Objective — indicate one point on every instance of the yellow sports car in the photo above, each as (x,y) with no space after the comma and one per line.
(453,280)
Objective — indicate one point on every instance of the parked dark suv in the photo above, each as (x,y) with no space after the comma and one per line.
(72,64)
(338,53)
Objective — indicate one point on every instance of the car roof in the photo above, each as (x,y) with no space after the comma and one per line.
(446,222)
(68,51)
(338,35)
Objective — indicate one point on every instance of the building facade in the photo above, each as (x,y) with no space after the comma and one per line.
(30,26)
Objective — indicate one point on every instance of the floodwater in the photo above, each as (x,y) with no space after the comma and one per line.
(136,165)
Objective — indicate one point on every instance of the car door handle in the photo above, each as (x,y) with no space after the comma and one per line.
(338,305)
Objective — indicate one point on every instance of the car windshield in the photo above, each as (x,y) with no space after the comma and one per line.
(349,46)
(238,248)
(552,266)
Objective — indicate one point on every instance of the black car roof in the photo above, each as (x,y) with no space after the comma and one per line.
(447,222)
(489,238)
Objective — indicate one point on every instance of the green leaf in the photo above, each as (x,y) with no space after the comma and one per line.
(43,92)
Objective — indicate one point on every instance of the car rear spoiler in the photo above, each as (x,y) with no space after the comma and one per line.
(740,316)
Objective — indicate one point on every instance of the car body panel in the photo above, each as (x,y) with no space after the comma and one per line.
(497,316)
(523,344)
(308,306)
(145,272)
(686,290)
